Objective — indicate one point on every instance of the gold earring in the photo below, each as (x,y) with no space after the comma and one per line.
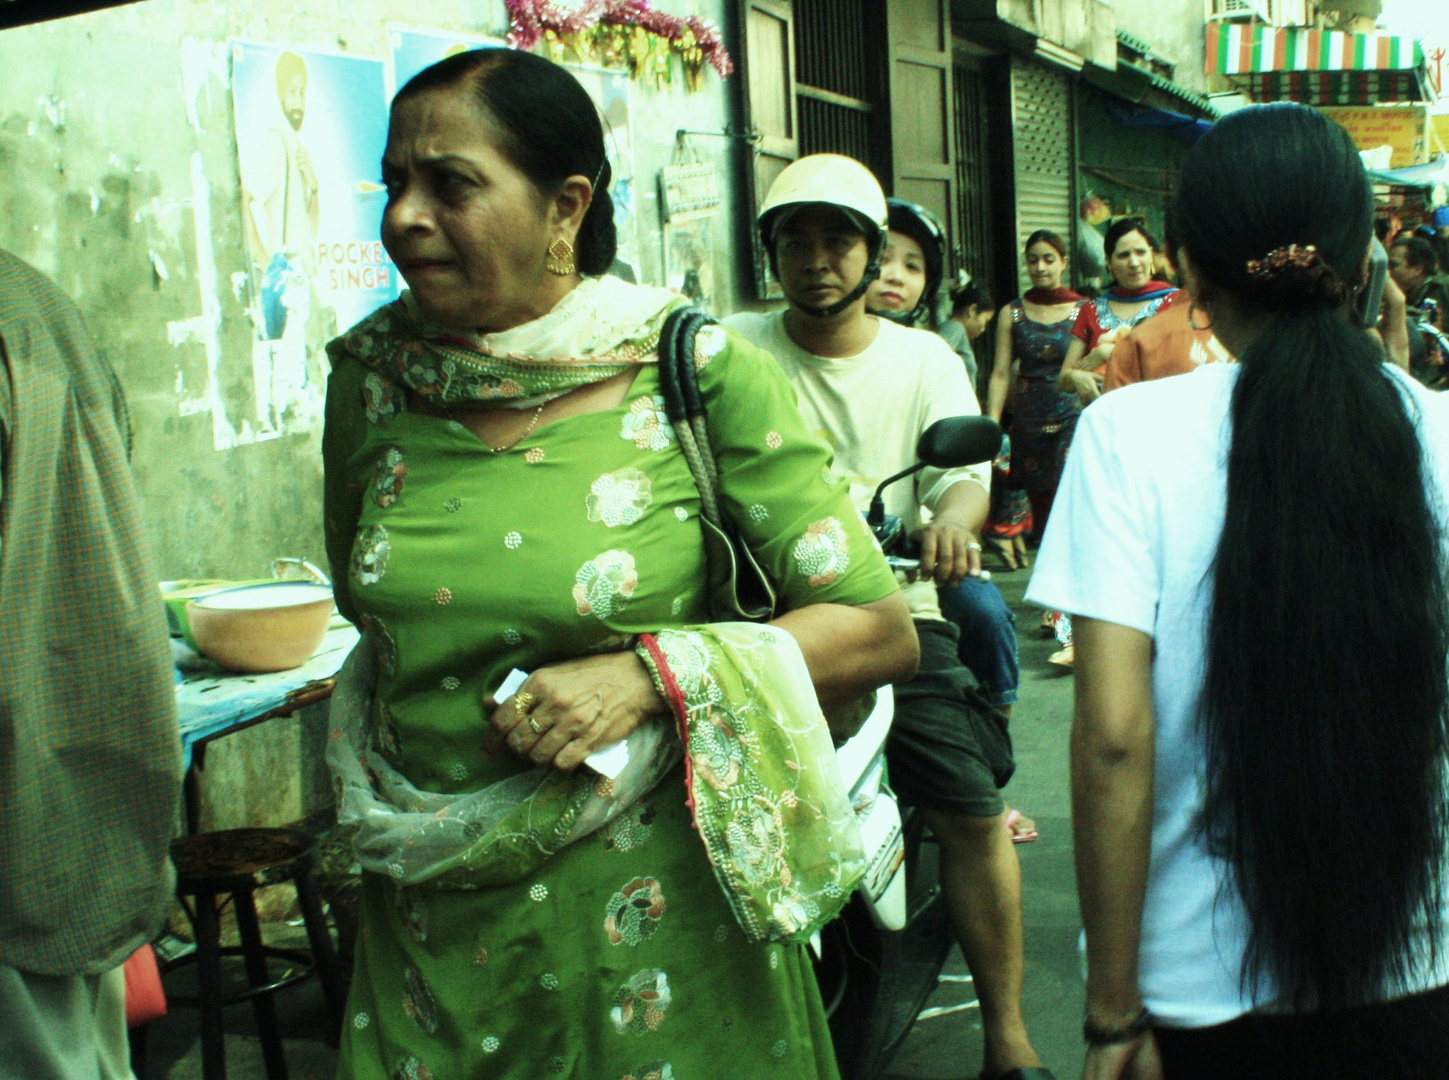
(560,258)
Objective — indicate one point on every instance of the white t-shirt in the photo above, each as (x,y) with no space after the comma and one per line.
(871,408)
(1134,530)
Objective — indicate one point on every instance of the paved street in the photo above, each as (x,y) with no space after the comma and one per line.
(944,1047)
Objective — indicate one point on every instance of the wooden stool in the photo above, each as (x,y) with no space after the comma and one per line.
(235,863)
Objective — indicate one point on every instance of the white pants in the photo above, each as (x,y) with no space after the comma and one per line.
(59,1027)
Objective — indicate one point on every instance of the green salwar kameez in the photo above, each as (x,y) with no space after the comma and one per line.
(619,958)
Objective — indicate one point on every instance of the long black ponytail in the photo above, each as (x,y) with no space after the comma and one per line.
(1324,701)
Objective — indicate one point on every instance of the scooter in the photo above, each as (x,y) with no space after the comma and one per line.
(879,962)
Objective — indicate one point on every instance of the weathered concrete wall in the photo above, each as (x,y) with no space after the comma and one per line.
(119,178)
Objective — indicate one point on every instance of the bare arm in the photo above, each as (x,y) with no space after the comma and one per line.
(1112,762)
(1000,384)
(1074,376)
(851,651)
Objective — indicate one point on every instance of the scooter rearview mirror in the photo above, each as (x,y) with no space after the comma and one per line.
(949,443)
(954,441)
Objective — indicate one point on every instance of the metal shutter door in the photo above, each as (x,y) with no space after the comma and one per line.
(1042,136)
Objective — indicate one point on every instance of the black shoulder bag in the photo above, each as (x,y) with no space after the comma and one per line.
(738,587)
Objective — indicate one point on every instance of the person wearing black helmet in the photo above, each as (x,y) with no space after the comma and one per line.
(911,269)
(912,265)
(870,387)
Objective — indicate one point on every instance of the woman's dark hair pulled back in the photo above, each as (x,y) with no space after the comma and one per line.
(1045,236)
(549,127)
(1125,227)
(1324,700)
(973,292)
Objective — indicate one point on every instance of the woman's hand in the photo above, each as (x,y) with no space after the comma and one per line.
(1087,385)
(566,711)
(1137,1060)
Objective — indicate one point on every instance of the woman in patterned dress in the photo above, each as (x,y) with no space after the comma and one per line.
(1135,295)
(1032,335)
(504,491)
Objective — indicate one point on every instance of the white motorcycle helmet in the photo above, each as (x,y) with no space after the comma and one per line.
(829,180)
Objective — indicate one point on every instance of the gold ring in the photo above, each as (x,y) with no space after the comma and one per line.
(523,702)
(533,725)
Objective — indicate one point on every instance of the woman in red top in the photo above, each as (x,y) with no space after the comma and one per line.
(1135,295)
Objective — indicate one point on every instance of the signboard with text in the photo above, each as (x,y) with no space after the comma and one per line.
(1404,128)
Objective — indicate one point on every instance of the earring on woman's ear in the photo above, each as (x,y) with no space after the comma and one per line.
(1192,310)
(560,258)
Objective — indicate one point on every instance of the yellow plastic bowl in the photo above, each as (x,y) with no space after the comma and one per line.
(275,626)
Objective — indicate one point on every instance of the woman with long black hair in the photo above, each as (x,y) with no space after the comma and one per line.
(1259,748)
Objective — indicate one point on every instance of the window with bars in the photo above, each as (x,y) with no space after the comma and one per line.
(839,88)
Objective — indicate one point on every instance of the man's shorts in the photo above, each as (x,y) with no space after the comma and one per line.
(948,748)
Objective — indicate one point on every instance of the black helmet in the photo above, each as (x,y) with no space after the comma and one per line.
(922,226)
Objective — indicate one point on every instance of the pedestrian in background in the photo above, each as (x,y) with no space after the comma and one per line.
(90,774)
(972,309)
(1255,699)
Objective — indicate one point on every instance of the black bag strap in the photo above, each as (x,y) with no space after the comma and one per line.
(753,595)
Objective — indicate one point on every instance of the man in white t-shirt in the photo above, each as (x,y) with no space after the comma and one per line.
(870,388)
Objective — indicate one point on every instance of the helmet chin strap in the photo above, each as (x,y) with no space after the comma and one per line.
(871,273)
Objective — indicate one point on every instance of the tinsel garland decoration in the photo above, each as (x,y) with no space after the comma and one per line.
(621,34)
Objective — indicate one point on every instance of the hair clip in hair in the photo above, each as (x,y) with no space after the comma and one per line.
(1291,256)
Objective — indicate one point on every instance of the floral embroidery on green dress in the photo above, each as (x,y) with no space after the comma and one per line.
(707,344)
(640,1004)
(619,498)
(604,584)
(646,424)
(823,553)
(633,913)
(380,399)
(369,555)
(631,828)
(717,751)
(410,1068)
(387,485)
(417,1001)
(444,381)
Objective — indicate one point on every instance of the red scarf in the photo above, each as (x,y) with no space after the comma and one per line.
(1116,292)
(1050,297)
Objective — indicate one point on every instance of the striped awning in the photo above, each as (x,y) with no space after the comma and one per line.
(1320,67)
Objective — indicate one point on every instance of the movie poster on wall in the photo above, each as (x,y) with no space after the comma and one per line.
(310,132)
(413,50)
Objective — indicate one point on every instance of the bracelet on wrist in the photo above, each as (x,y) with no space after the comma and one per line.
(1096,1035)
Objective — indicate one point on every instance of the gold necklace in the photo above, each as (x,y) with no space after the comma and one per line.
(509,446)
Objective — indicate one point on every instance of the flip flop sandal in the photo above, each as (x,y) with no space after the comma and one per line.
(1025,836)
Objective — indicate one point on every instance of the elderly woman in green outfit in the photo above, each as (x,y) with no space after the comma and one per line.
(504,491)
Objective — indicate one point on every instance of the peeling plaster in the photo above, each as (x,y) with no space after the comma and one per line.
(201,62)
(224,438)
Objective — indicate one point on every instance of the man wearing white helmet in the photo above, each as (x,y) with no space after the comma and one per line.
(870,387)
